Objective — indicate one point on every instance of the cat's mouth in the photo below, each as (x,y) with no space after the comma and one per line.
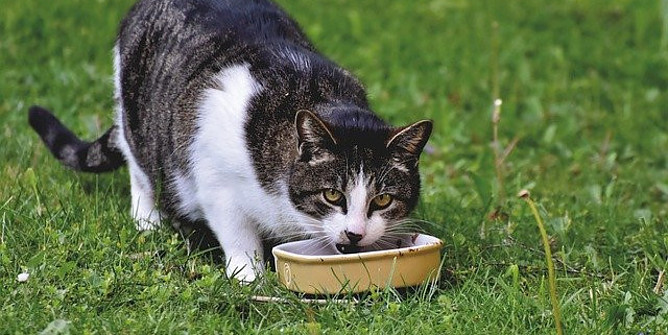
(401,241)
(349,248)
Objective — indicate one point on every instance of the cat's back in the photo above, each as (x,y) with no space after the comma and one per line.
(169,49)
(249,22)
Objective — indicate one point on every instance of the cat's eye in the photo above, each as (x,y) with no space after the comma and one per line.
(382,201)
(333,196)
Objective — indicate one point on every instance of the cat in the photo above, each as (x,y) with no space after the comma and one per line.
(227,114)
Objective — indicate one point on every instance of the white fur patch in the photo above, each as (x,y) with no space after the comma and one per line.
(357,207)
(226,188)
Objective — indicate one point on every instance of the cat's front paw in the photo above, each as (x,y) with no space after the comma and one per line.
(245,272)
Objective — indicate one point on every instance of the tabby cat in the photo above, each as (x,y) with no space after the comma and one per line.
(227,114)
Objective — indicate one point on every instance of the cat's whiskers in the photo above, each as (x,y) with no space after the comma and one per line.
(292,236)
(418,223)
(305,232)
(318,241)
(415,220)
(307,221)
(382,243)
(403,230)
(309,228)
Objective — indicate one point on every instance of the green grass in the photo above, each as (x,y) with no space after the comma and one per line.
(585,92)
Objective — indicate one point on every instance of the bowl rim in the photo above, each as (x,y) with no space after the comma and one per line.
(432,243)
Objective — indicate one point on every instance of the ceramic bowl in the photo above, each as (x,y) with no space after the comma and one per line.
(311,267)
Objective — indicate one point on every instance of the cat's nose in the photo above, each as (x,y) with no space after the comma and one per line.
(354,238)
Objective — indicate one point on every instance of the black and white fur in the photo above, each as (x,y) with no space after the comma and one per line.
(226,113)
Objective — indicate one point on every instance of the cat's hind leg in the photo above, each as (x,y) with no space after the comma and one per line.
(143,208)
(144,212)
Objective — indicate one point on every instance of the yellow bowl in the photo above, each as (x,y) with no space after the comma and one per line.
(310,267)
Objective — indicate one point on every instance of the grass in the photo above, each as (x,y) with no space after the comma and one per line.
(584,87)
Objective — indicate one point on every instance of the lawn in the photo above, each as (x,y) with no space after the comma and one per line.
(583,126)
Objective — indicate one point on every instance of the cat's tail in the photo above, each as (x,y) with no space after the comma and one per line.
(99,156)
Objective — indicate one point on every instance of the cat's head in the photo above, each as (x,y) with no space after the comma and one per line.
(356,177)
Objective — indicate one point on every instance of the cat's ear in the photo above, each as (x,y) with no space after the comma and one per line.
(314,139)
(405,144)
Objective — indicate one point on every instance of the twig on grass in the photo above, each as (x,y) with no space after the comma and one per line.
(263,298)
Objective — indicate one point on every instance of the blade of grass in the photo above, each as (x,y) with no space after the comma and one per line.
(524,194)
